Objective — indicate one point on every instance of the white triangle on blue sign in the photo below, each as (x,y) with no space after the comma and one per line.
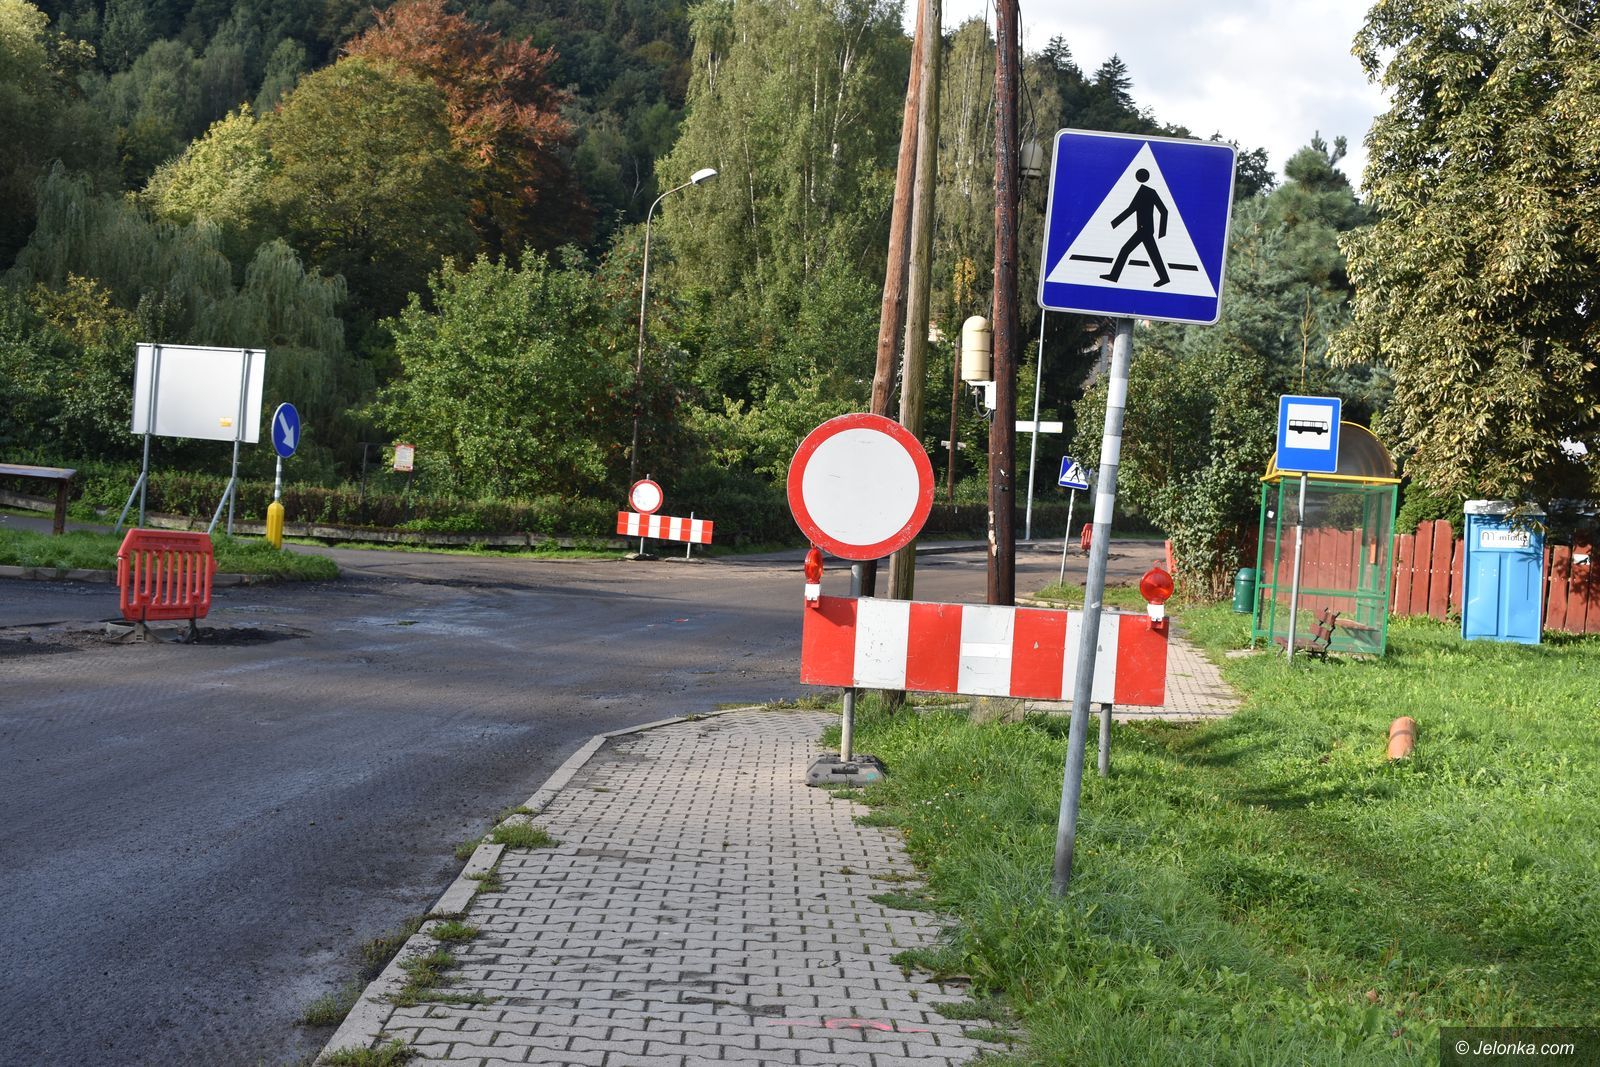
(1093,254)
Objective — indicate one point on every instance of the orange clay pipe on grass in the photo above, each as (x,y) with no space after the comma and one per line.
(1402,737)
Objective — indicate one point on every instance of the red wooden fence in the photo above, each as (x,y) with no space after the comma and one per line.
(1427,579)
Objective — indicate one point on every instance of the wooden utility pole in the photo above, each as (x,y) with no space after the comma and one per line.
(918,279)
(1003,430)
(891,319)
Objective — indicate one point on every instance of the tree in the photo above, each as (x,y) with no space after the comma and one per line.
(796,103)
(42,115)
(100,257)
(505,116)
(1475,287)
(66,370)
(365,180)
(516,384)
(221,179)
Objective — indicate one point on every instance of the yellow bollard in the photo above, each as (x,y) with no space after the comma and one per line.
(275,524)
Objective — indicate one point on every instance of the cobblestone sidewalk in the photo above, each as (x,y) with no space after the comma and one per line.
(703,906)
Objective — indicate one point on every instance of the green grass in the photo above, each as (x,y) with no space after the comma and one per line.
(98,551)
(390,1054)
(426,980)
(331,1008)
(1269,888)
(453,930)
(521,835)
(376,954)
(488,882)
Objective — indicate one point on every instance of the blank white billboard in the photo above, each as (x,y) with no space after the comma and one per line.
(213,394)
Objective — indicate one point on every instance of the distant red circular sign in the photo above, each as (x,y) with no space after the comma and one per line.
(860,486)
(646,497)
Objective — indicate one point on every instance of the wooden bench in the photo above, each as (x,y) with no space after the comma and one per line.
(1316,646)
(62,476)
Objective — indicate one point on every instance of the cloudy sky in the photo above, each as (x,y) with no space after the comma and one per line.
(1267,73)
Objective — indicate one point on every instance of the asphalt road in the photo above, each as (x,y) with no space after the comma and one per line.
(194,839)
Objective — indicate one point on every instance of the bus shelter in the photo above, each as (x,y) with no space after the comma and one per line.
(1347,557)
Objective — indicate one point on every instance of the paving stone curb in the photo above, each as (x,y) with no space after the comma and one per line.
(363,1026)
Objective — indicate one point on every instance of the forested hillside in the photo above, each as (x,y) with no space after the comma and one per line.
(430,215)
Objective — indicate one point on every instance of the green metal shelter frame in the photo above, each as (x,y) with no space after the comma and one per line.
(1348,554)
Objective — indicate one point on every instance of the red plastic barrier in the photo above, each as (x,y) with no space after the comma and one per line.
(165,575)
(1086,539)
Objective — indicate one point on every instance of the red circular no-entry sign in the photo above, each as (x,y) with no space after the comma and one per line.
(860,486)
(646,497)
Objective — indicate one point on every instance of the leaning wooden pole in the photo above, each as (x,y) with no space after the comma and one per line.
(891,319)
(919,275)
(1003,429)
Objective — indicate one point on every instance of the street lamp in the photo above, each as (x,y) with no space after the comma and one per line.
(703,175)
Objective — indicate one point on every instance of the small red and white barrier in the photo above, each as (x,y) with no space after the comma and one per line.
(664,527)
(979,650)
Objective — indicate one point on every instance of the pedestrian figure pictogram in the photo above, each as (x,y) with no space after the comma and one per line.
(1146,202)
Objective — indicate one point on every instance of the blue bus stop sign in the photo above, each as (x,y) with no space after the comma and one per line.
(1308,434)
(285,430)
(1137,227)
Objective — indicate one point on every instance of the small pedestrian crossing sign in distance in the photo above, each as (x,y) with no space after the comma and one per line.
(1137,227)
(1072,475)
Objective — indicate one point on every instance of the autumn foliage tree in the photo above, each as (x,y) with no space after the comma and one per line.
(505,117)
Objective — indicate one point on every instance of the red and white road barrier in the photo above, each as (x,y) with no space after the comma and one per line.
(664,527)
(979,650)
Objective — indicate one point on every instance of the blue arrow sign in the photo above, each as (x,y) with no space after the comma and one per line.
(1072,476)
(1308,434)
(285,430)
(1137,227)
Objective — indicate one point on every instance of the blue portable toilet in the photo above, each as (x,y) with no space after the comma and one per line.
(1503,579)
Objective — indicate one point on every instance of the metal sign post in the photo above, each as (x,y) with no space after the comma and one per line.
(149,428)
(239,422)
(1033,449)
(847,721)
(1066,537)
(1299,553)
(1094,589)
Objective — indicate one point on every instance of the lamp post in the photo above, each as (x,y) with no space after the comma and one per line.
(702,175)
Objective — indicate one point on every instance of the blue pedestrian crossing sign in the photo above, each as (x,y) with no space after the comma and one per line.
(1308,434)
(285,430)
(1073,475)
(1137,227)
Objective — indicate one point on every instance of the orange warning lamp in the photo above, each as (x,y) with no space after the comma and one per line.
(813,577)
(1156,587)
